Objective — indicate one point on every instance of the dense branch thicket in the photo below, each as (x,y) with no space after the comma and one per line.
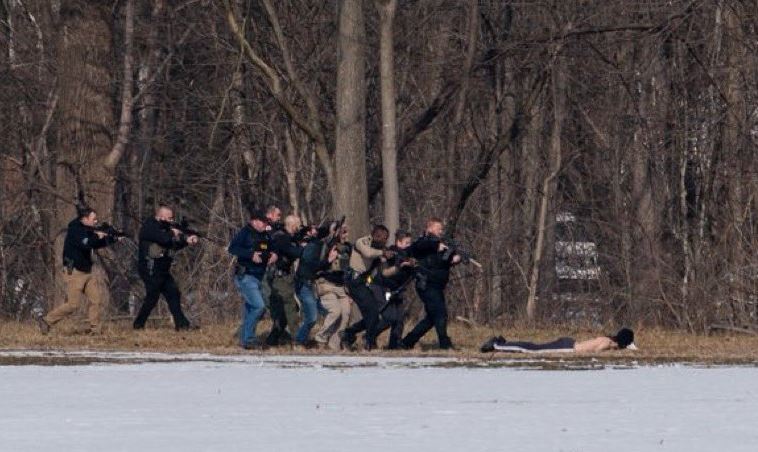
(530,126)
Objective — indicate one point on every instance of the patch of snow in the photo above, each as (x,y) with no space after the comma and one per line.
(260,403)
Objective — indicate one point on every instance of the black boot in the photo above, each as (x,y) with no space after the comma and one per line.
(347,339)
(273,337)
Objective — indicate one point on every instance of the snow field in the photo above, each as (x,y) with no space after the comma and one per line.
(257,404)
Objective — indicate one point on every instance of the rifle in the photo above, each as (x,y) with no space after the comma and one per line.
(111,231)
(303,234)
(335,237)
(454,247)
(183,227)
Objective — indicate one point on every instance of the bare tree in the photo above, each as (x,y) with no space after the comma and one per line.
(391,189)
(350,142)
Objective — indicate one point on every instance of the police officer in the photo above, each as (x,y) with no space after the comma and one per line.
(274,217)
(330,288)
(364,261)
(251,247)
(397,273)
(432,276)
(158,242)
(81,238)
(281,280)
(318,255)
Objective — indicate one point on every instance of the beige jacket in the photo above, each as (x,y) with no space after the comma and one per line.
(363,254)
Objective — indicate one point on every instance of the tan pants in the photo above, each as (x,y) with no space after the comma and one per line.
(337,303)
(78,284)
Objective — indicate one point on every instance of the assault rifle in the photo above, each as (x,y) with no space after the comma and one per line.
(111,231)
(334,236)
(183,226)
(304,233)
(454,247)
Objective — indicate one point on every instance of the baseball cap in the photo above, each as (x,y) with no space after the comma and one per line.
(258,214)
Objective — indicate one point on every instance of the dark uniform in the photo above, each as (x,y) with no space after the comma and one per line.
(157,245)
(390,289)
(312,263)
(365,261)
(80,241)
(281,281)
(433,273)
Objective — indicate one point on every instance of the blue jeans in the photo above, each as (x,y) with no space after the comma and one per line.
(250,288)
(309,309)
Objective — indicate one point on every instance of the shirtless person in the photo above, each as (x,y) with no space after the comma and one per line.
(624,339)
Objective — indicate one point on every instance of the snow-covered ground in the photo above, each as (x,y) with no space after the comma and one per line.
(249,403)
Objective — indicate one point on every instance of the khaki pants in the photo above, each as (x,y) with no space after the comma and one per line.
(337,303)
(78,284)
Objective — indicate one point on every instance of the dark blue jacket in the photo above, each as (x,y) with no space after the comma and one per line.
(311,262)
(244,244)
(78,246)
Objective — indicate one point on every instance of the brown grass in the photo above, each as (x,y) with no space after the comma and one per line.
(656,346)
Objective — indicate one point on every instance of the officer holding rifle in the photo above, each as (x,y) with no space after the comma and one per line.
(83,235)
(159,239)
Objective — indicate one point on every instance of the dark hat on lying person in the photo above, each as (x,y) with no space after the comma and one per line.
(625,339)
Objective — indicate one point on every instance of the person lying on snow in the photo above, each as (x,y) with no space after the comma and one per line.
(624,339)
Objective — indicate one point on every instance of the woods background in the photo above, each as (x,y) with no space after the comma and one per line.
(639,118)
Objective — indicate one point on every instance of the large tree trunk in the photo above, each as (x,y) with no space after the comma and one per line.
(391,187)
(86,108)
(86,115)
(146,74)
(645,217)
(125,121)
(350,149)
(736,159)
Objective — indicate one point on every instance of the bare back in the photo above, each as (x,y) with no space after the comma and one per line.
(598,344)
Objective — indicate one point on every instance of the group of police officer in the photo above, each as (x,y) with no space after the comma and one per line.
(302,271)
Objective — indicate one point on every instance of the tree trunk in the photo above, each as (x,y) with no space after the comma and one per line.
(548,187)
(86,107)
(147,108)
(125,123)
(645,219)
(241,142)
(391,187)
(350,149)
(735,158)
(290,170)
(86,119)
(454,135)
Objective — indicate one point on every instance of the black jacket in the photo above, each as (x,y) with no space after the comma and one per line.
(245,243)
(431,264)
(311,262)
(284,245)
(79,243)
(158,243)
(401,275)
